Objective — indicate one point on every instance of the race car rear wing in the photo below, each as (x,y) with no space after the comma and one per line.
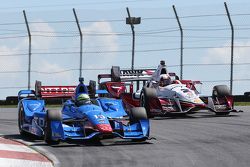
(118,75)
(53,91)
(63,91)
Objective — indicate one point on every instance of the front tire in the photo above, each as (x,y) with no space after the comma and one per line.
(21,121)
(146,95)
(51,116)
(138,113)
(221,91)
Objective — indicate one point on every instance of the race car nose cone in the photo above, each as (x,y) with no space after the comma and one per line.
(104,128)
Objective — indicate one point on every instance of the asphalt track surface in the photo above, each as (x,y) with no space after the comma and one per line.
(198,140)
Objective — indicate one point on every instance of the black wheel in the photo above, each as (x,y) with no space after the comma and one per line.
(38,86)
(138,113)
(92,88)
(51,116)
(221,91)
(115,74)
(21,121)
(146,95)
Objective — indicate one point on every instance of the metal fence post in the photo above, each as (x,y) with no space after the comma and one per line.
(133,40)
(181,31)
(132,21)
(29,34)
(232,47)
(80,32)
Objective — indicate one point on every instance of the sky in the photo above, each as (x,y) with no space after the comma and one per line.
(14,5)
(107,40)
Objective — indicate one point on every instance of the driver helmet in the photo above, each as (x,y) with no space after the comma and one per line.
(83,99)
(165,80)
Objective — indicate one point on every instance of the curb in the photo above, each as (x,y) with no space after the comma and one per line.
(46,154)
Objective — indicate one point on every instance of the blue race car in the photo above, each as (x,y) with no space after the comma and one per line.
(80,117)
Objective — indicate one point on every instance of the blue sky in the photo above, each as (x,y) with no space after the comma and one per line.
(100,4)
(107,40)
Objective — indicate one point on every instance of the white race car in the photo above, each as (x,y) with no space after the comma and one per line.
(179,96)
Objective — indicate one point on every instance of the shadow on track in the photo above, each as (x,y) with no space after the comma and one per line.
(36,141)
(191,116)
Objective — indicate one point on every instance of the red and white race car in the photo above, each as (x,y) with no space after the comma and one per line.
(180,96)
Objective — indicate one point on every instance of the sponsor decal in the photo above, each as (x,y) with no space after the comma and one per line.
(99,116)
(198,100)
(220,107)
(168,109)
(34,106)
(137,72)
(58,90)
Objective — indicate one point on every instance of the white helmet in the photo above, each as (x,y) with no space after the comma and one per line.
(165,80)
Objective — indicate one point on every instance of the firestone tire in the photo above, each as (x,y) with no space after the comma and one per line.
(138,113)
(51,116)
(21,121)
(92,88)
(221,91)
(38,86)
(146,95)
(115,74)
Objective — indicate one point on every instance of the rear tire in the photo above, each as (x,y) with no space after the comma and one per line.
(38,86)
(146,95)
(92,89)
(51,116)
(115,74)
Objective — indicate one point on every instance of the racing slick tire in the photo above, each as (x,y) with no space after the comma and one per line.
(21,121)
(55,115)
(38,86)
(92,88)
(138,113)
(115,74)
(146,95)
(221,91)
